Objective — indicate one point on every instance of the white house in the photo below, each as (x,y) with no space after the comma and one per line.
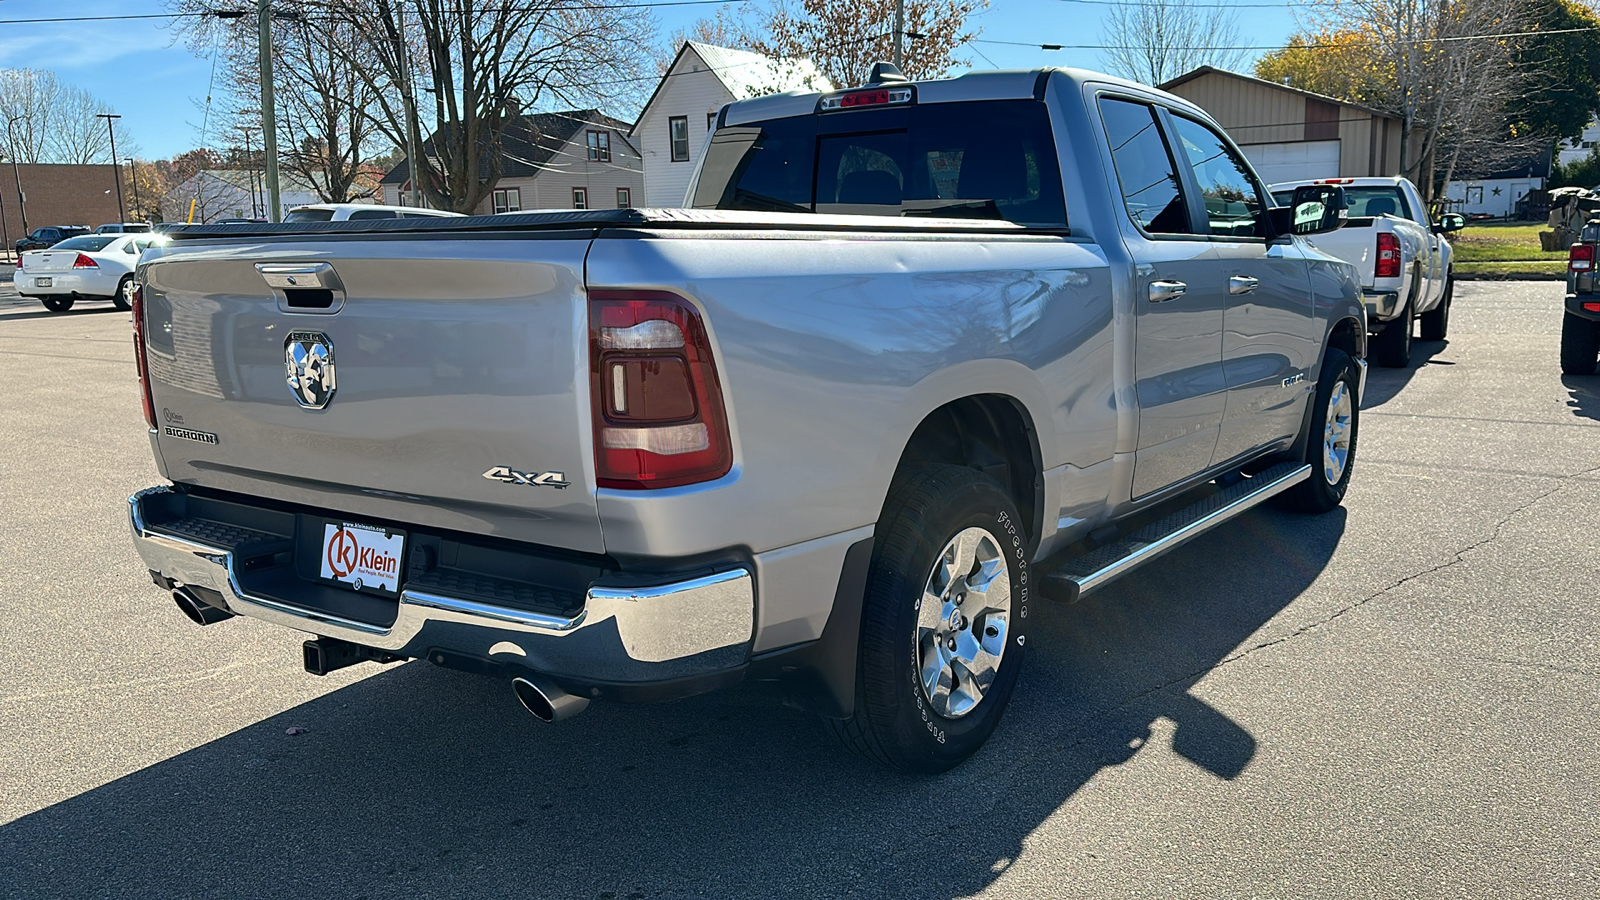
(232,194)
(1569,152)
(1497,193)
(701,80)
(577,159)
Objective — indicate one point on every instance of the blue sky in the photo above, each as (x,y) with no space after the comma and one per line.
(156,84)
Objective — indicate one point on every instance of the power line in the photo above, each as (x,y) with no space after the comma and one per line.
(646,4)
(1505,35)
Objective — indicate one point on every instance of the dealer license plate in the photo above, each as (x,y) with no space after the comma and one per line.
(363,556)
(44,282)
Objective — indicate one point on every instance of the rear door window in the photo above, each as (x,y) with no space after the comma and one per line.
(372,214)
(309,215)
(984,160)
(1151,191)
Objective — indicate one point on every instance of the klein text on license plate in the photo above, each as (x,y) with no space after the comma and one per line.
(362,556)
(44,282)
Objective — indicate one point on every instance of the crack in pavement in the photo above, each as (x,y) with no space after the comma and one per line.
(1456,558)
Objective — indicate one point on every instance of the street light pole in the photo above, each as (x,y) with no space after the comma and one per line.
(5,233)
(269,125)
(116,170)
(900,34)
(22,199)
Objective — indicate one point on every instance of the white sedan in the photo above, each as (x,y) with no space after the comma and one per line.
(91,267)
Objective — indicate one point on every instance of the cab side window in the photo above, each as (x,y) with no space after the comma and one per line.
(1232,196)
(1150,187)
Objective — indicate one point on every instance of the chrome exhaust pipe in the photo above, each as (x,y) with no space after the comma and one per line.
(198,611)
(547,702)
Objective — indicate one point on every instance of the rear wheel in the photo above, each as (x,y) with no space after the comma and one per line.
(1391,347)
(1331,446)
(944,621)
(1580,344)
(1436,323)
(56,304)
(123,299)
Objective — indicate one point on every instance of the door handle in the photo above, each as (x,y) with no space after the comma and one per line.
(1242,284)
(1162,291)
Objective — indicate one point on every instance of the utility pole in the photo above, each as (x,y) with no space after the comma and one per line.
(116,170)
(900,34)
(410,98)
(22,199)
(269,123)
(250,170)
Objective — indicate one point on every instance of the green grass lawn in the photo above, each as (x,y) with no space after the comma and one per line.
(1505,250)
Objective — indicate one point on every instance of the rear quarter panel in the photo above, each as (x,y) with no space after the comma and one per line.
(831,361)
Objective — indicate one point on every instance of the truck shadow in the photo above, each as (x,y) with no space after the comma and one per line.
(427,782)
(1384,385)
(1585,395)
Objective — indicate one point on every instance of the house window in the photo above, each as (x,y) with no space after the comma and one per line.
(624,198)
(600,146)
(507,200)
(580,198)
(678,130)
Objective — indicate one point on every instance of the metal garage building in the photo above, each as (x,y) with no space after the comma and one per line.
(1290,134)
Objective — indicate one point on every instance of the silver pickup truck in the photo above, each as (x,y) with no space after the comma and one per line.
(922,355)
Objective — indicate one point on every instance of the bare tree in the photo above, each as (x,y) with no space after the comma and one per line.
(1155,41)
(479,63)
(1448,70)
(45,121)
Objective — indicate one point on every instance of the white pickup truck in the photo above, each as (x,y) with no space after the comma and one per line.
(1400,255)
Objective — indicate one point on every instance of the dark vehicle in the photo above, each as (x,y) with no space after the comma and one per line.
(1580,326)
(49,236)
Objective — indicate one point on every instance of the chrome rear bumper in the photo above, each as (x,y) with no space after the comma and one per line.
(623,634)
(1383,305)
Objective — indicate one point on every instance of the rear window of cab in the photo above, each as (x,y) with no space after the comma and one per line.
(977,160)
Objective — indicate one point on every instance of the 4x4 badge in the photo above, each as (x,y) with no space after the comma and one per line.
(308,365)
(508,475)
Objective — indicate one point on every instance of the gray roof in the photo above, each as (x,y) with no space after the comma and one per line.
(529,142)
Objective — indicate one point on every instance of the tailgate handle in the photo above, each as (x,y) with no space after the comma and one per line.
(304,287)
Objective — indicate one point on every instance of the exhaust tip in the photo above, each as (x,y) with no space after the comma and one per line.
(196,611)
(547,702)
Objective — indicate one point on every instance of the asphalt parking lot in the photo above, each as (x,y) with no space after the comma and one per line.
(1399,699)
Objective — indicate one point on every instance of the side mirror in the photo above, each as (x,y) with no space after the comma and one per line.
(1450,222)
(1314,209)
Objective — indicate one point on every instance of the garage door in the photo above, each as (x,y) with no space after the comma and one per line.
(1295,161)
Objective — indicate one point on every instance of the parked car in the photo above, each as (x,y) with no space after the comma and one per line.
(49,236)
(123,228)
(832,449)
(1580,323)
(1402,256)
(353,212)
(238,221)
(88,267)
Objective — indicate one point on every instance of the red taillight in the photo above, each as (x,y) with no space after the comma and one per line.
(84,262)
(657,405)
(1388,265)
(140,361)
(1580,258)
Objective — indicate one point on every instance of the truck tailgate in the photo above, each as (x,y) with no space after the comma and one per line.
(459,378)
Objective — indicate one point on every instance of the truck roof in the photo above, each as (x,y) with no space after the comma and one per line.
(1004,84)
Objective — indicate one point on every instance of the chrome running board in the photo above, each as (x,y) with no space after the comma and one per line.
(1097,568)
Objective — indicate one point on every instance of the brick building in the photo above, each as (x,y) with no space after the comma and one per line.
(59,195)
